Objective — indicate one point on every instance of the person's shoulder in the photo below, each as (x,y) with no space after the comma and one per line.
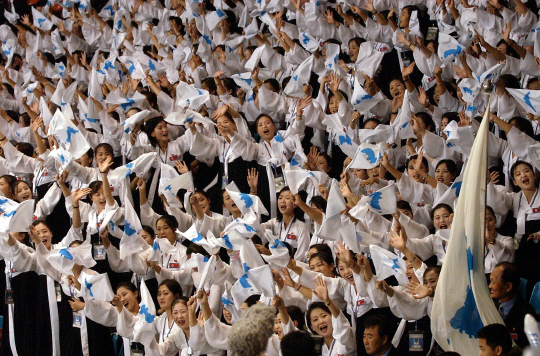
(522,306)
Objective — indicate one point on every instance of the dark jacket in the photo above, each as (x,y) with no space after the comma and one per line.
(515,320)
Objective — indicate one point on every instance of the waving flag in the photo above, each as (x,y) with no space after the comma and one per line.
(383,201)
(62,157)
(22,219)
(160,247)
(139,166)
(255,58)
(91,117)
(63,259)
(207,274)
(528,99)
(296,178)
(228,301)
(332,219)
(309,42)
(280,252)
(470,89)
(382,133)
(450,196)
(97,287)
(185,116)
(125,103)
(490,74)
(244,287)
(143,331)
(214,18)
(247,202)
(367,156)
(263,280)
(129,244)
(361,100)
(210,243)
(462,304)
(402,126)
(388,264)
(458,138)
(94,89)
(332,57)
(299,77)
(244,80)
(129,124)
(191,97)
(41,21)
(231,240)
(68,135)
(449,48)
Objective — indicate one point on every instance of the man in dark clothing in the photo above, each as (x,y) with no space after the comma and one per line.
(503,286)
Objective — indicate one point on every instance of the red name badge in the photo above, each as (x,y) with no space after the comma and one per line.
(420,205)
(291,236)
(46,173)
(536,210)
(174,265)
(173,158)
(360,302)
(13,270)
(34,217)
(514,336)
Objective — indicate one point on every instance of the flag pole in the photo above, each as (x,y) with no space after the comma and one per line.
(488,88)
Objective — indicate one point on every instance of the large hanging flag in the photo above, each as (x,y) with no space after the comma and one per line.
(462,304)
(528,99)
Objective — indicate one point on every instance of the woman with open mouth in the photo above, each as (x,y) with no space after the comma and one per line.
(272,153)
(525,205)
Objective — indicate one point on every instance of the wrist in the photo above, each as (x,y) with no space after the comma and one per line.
(75,207)
(327,302)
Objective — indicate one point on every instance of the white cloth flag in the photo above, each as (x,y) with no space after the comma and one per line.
(231,240)
(143,330)
(255,58)
(383,201)
(129,244)
(299,77)
(388,264)
(381,133)
(361,100)
(139,166)
(458,138)
(452,193)
(247,202)
(402,126)
(449,48)
(263,280)
(62,157)
(129,124)
(207,273)
(492,73)
(332,219)
(296,178)
(191,97)
(462,304)
(68,135)
(22,219)
(332,57)
(244,81)
(367,156)
(184,116)
(41,21)
(160,247)
(528,99)
(63,259)
(97,287)
(280,252)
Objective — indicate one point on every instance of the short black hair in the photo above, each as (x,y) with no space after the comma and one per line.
(510,274)
(298,343)
(515,165)
(496,335)
(441,206)
(404,205)
(383,326)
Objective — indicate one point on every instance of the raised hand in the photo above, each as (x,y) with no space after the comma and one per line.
(321,290)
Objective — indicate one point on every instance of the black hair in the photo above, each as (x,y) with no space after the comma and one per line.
(181,299)
(372,119)
(90,153)
(40,221)
(510,81)
(436,269)
(490,209)
(441,206)
(383,325)
(298,343)
(16,184)
(450,165)
(211,84)
(325,257)
(149,230)
(414,157)
(324,248)
(107,147)
(427,120)
(131,287)
(149,127)
(273,83)
(523,125)
(170,221)
(9,179)
(25,148)
(95,186)
(319,202)
(298,213)
(173,286)
(151,98)
(510,274)
(312,307)
(515,165)
(404,205)
(230,84)
(496,335)
(252,300)
(261,116)
(297,315)
(24,119)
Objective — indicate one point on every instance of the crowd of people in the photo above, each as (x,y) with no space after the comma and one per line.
(211,177)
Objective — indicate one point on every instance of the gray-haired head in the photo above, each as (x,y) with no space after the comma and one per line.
(249,335)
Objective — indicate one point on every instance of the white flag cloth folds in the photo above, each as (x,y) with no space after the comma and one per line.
(280,252)
(361,100)
(263,280)
(210,243)
(63,259)
(207,273)
(248,225)
(214,18)
(450,196)
(296,178)
(255,58)
(381,133)
(383,201)
(171,186)
(94,89)
(299,77)
(247,202)
(134,119)
(129,244)
(62,157)
(332,219)
(20,219)
(244,81)
(388,264)
(231,240)
(41,21)
(139,166)
(161,246)
(191,97)
(462,304)
(184,116)
(402,126)
(332,57)
(458,138)
(97,287)
(45,112)
(492,73)
(143,330)
(244,286)
(528,99)
(367,156)
(449,48)
(68,135)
